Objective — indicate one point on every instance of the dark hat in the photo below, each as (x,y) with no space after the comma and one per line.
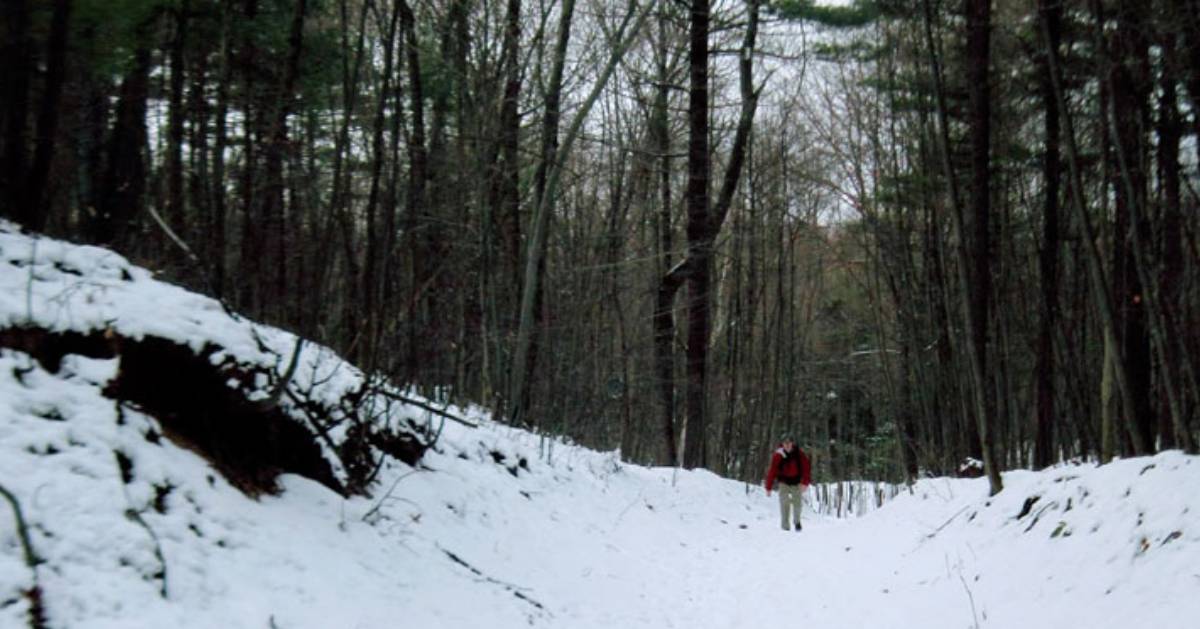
(786,438)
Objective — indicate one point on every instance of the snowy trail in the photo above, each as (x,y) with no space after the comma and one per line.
(639,550)
(633,549)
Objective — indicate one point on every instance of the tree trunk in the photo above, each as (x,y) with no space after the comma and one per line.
(699,237)
(420,232)
(254,105)
(372,286)
(664,354)
(275,249)
(198,177)
(338,213)
(1176,358)
(1115,370)
(17,56)
(621,39)
(1050,12)
(667,281)
(548,157)
(121,199)
(175,121)
(506,198)
(35,213)
(979,26)
(974,274)
(1129,89)
(703,222)
(217,236)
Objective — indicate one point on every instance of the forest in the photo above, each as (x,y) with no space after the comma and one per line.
(925,236)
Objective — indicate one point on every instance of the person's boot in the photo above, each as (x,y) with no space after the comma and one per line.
(798,527)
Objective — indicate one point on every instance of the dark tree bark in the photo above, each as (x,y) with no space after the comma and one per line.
(16,57)
(1050,13)
(275,247)
(664,354)
(704,222)
(338,213)
(1127,73)
(974,273)
(255,105)
(121,197)
(91,136)
(668,281)
(1177,361)
(197,174)
(1101,287)
(176,116)
(420,231)
(35,213)
(979,96)
(505,189)
(216,225)
(699,237)
(372,284)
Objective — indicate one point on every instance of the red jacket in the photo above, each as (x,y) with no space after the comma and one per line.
(789,469)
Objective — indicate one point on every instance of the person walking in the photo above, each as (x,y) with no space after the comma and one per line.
(791,467)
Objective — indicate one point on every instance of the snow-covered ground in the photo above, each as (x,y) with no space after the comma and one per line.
(500,528)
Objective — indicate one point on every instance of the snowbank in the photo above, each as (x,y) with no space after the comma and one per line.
(181,348)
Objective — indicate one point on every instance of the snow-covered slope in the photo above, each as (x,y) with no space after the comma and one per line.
(500,528)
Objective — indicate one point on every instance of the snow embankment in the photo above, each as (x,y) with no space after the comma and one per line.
(255,399)
(1116,545)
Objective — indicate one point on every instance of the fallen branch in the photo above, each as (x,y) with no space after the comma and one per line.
(436,411)
(946,523)
(195,260)
(515,590)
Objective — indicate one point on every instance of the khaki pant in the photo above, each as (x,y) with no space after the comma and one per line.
(790,499)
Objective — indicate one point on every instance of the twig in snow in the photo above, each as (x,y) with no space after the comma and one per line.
(627,508)
(366,516)
(971,598)
(37,611)
(31,558)
(947,522)
(516,591)
(438,435)
(316,367)
(134,516)
(273,400)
